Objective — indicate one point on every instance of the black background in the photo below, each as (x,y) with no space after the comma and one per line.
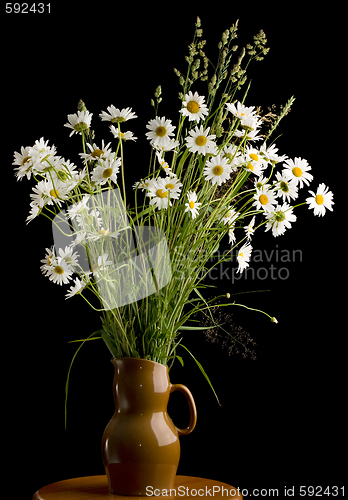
(282,420)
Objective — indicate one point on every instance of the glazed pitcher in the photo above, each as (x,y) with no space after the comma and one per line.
(140,445)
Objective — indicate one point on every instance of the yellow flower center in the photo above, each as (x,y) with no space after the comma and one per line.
(97,153)
(192,107)
(161,131)
(59,270)
(250,167)
(241,254)
(107,173)
(263,199)
(54,193)
(217,170)
(191,205)
(201,140)
(170,186)
(254,157)
(103,231)
(161,194)
(319,199)
(297,171)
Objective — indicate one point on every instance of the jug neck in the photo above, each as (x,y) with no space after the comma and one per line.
(140,386)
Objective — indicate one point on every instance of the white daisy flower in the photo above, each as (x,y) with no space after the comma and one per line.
(173,185)
(41,150)
(79,207)
(100,265)
(251,135)
(233,155)
(24,162)
(231,236)
(270,154)
(125,136)
(88,222)
(163,163)
(68,256)
(38,196)
(42,156)
(47,262)
(192,205)
(158,193)
(240,111)
(34,212)
(255,168)
(199,141)
(298,171)
(217,170)
(78,176)
(79,238)
(254,161)
(47,193)
(115,115)
(230,216)
(280,219)
(194,107)
(59,272)
(64,170)
(166,145)
(160,130)
(97,153)
(265,199)
(285,187)
(250,124)
(99,233)
(249,229)
(261,182)
(106,170)
(76,288)
(255,156)
(321,200)
(243,257)
(79,122)
(143,184)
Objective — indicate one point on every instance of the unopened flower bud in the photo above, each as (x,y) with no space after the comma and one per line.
(81,106)
(158,91)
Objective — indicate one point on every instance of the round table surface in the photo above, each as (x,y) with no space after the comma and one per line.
(96,488)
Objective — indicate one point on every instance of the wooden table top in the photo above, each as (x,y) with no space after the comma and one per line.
(96,488)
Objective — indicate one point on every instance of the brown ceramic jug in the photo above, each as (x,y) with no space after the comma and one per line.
(140,445)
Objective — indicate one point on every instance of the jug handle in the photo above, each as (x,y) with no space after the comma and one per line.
(192,407)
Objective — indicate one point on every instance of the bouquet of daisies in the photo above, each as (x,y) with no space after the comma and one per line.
(214,174)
